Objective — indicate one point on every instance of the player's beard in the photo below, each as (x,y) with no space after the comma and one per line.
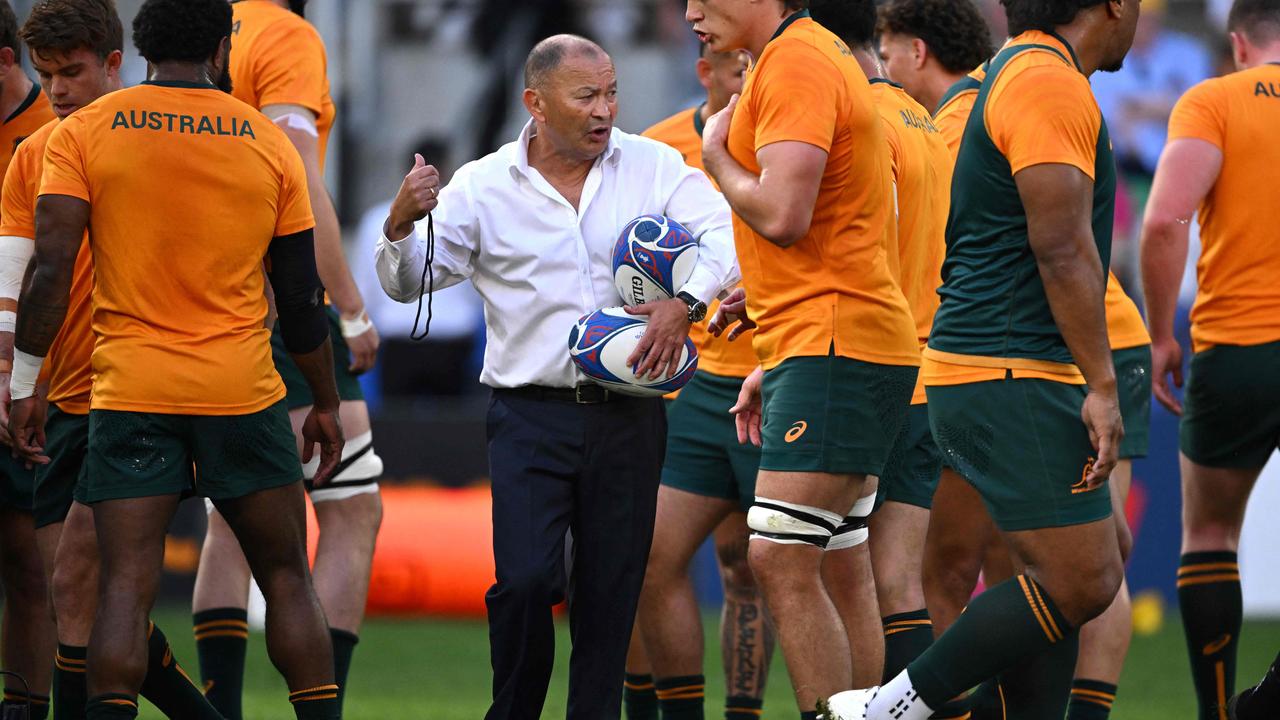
(299,6)
(224,80)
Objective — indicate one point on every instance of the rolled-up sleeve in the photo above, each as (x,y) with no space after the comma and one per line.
(694,201)
(400,264)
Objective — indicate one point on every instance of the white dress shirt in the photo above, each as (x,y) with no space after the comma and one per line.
(538,263)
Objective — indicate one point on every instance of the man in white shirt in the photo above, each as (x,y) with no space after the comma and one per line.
(533,227)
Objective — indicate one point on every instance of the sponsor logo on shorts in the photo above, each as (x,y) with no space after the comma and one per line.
(1083,485)
(1214,647)
(794,433)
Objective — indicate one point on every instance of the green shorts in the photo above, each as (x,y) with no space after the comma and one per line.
(137,454)
(1133,380)
(833,414)
(17,483)
(298,392)
(703,453)
(1231,410)
(62,480)
(1022,445)
(915,464)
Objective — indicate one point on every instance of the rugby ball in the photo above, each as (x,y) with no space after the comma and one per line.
(601,342)
(653,259)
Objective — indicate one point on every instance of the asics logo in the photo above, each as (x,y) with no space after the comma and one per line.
(1217,645)
(794,433)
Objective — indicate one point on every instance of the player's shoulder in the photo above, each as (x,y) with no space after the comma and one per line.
(265,20)
(806,47)
(36,141)
(676,124)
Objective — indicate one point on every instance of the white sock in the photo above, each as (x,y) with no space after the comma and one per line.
(898,700)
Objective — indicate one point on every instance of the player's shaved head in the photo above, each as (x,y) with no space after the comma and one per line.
(61,26)
(8,27)
(1258,20)
(547,56)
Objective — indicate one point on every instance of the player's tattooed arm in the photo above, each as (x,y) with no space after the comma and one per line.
(60,224)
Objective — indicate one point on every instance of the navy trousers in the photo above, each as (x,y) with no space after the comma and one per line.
(591,469)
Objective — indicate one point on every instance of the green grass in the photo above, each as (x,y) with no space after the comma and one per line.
(440,670)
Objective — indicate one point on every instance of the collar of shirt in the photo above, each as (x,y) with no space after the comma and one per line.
(519,163)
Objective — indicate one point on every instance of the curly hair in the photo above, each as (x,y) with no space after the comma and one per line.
(182,30)
(9,28)
(1043,15)
(1259,20)
(60,26)
(853,21)
(953,30)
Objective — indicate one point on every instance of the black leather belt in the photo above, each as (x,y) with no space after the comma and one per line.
(585,394)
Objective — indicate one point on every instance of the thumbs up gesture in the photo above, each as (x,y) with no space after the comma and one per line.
(417,197)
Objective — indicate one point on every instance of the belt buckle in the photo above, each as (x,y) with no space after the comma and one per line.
(595,395)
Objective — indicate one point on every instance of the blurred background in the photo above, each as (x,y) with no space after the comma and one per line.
(442,77)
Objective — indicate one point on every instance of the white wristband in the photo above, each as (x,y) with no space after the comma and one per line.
(8,320)
(26,370)
(357,327)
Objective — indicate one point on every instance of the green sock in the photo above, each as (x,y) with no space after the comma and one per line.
(740,707)
(222,638)
(638,697)
(986,702)
(1209,595)
(318,703)
(168,686)
(680,698)
(1040,686)
(344,645)
(1091,700)
(906,636)
(1009,623)
(39,704)
(70,694)
(112,706)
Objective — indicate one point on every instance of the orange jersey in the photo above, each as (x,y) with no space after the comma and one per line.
(683,131)
(1125,327)
(834,289)
(30,116)
(278,58)
(1238,302)
(68,363)
(922,188)
(1037,108)
(187,186)
(956,106)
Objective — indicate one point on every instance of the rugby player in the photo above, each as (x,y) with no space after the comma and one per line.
(1219,154)
(835,337)
(921,167)
(27,639)
(708,484)
(75,47)
(962,539)
(1018,357)
(278,65)
(182,369)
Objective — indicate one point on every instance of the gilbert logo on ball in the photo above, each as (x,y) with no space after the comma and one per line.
(653,259)
(601,342)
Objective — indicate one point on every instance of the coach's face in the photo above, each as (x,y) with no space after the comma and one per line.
(719,23)
(576,105)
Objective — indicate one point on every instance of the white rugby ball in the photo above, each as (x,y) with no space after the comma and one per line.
(601,342)
(652,259)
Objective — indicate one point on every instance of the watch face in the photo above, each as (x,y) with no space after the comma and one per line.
(698,311)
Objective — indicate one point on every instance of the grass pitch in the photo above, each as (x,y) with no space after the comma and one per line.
(439,670)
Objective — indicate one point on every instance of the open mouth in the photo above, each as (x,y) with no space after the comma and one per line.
(599,134)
